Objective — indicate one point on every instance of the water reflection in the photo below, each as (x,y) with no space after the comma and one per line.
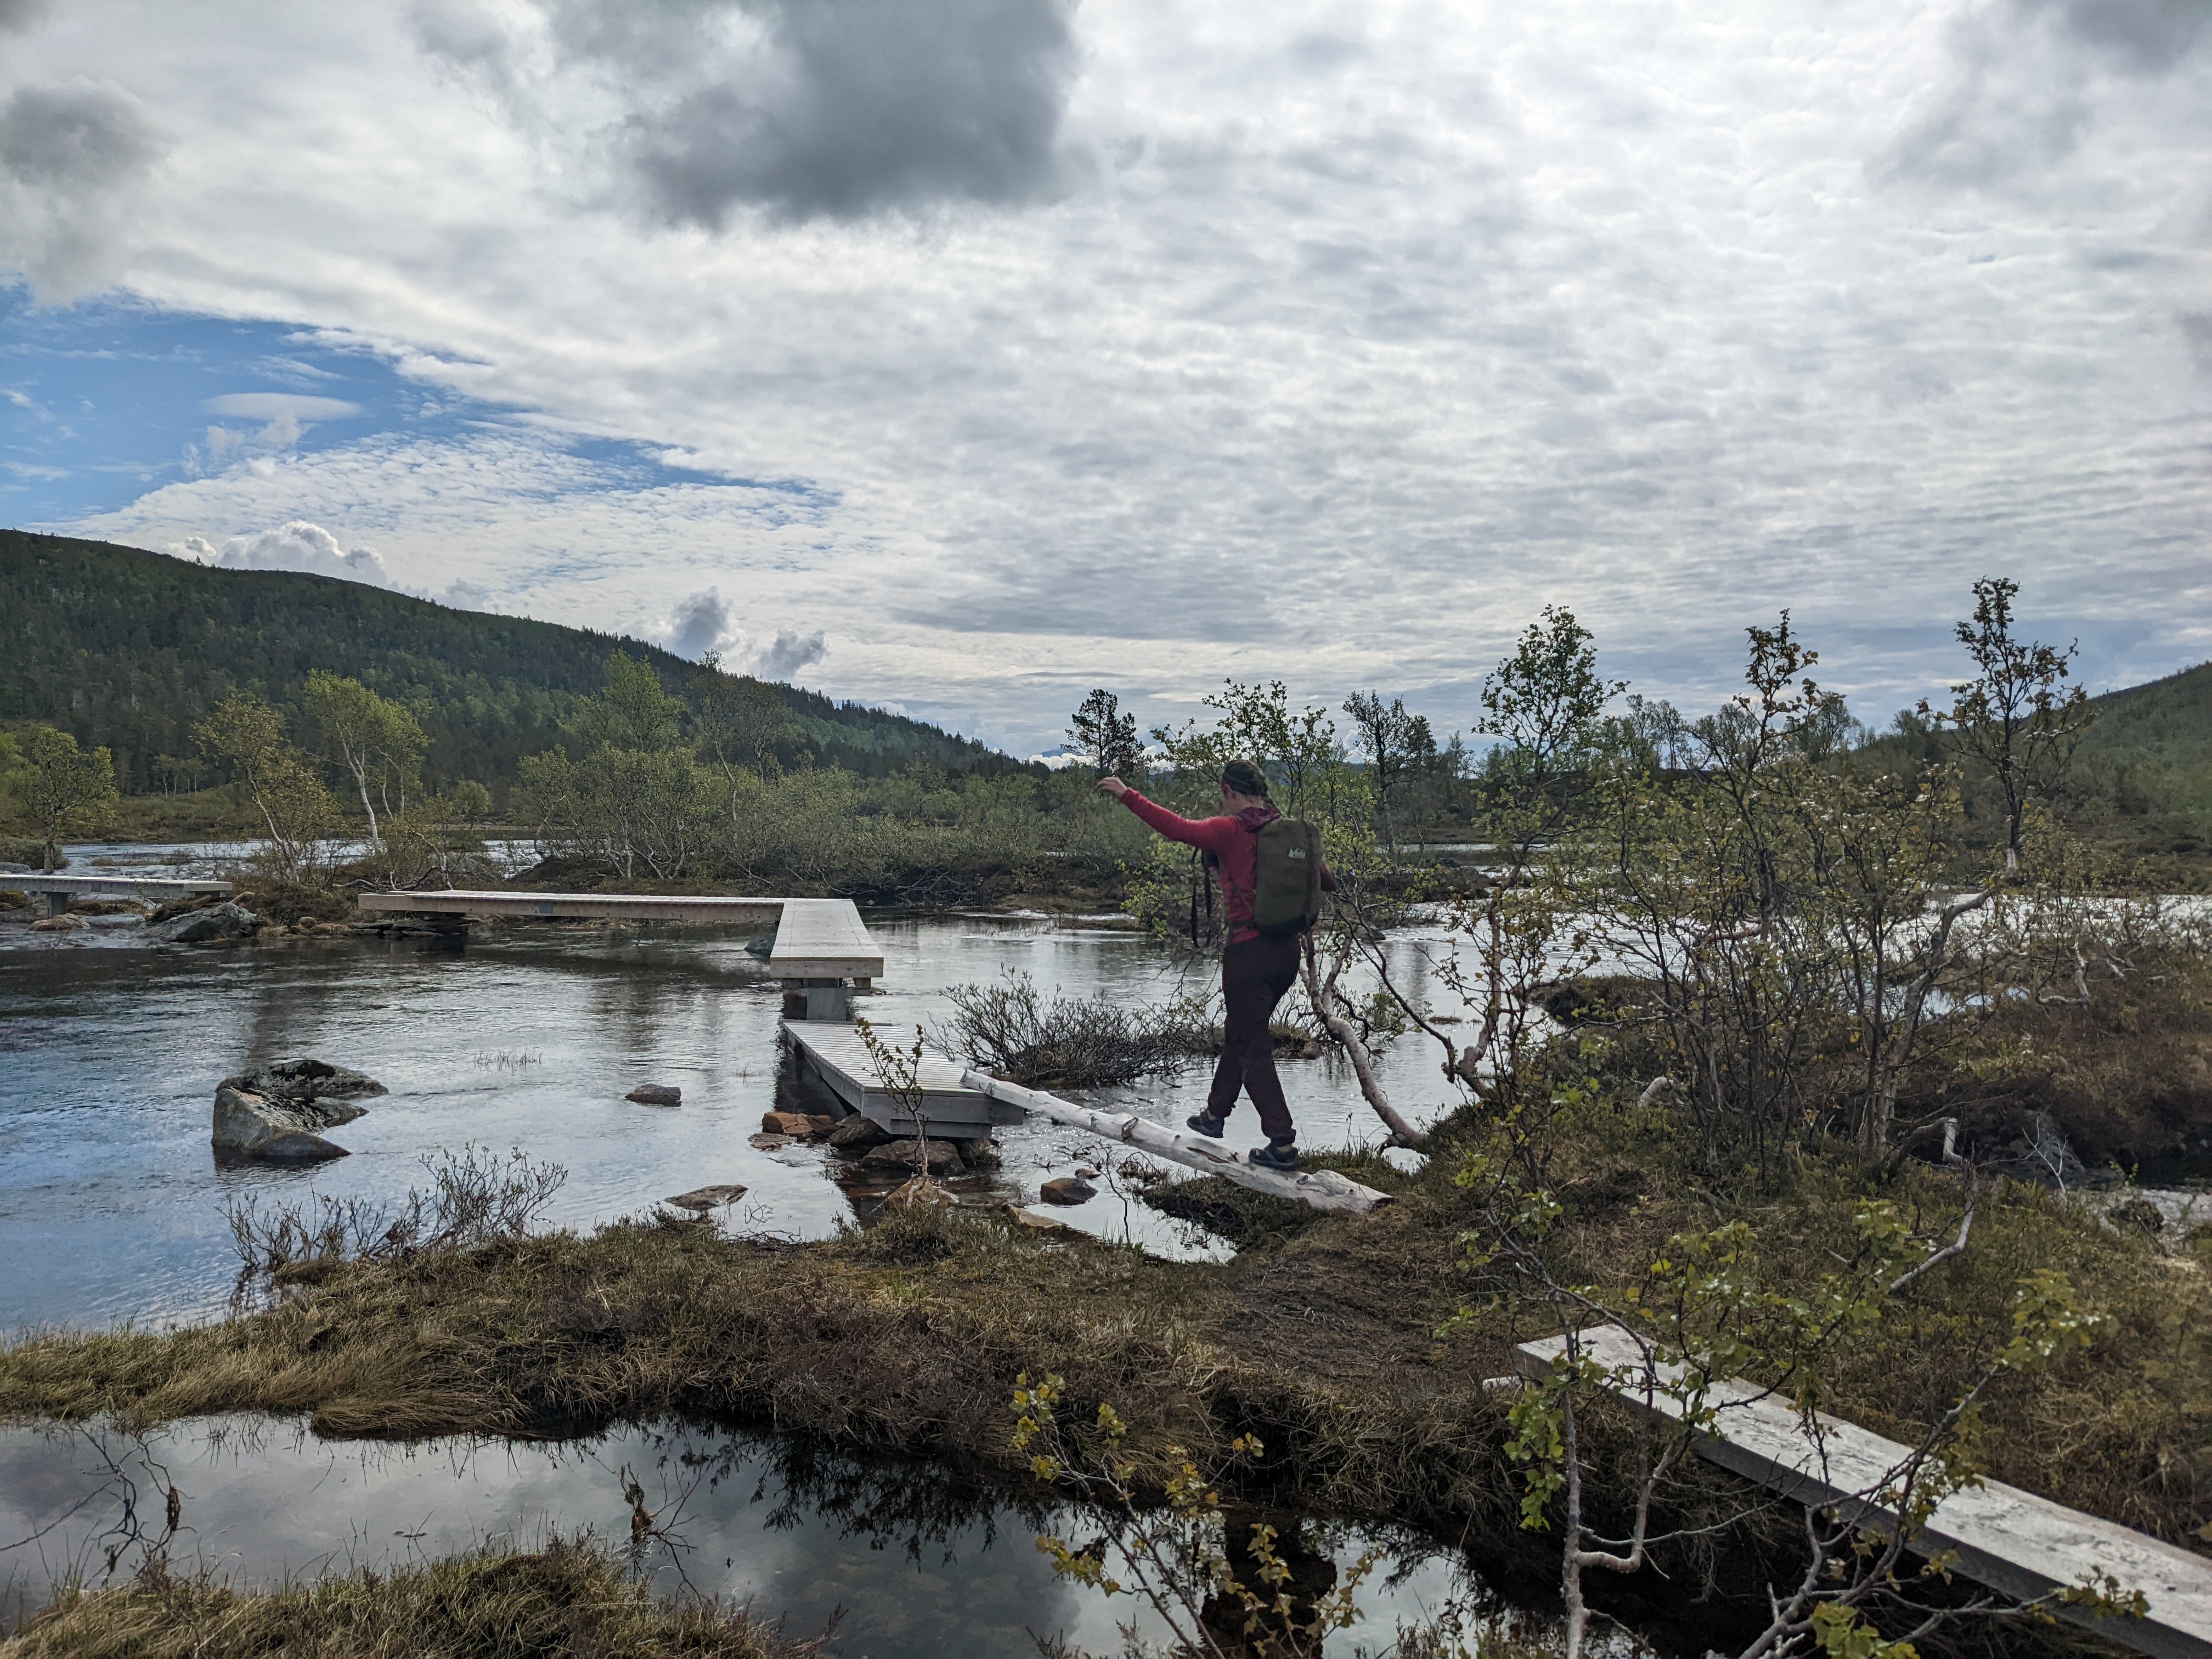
(908,1558)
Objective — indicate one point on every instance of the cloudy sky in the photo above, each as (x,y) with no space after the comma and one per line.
(962,355)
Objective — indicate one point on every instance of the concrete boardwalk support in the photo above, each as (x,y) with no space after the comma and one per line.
(838,1055)
(59,887)
(1324,1189)
(2011,1540)
(815,939)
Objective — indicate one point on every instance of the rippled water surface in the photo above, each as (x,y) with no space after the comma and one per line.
(112,1208)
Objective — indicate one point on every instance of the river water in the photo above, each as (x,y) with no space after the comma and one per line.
(112,1210)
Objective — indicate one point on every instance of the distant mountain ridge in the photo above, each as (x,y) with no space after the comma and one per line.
(129,649)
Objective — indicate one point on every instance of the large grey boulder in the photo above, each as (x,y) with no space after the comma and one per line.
(216,924)
(275,1111)
(251,1125)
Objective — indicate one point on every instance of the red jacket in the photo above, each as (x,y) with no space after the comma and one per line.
(1234,844)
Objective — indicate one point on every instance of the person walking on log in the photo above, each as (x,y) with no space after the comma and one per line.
(1262,960)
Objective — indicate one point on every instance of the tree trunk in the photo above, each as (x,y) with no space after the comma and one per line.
(1402,1133)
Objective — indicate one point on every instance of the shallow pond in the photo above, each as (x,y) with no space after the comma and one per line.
(910,1564)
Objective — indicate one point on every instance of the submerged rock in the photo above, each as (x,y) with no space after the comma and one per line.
(943,1158)
(218,924)
(799,1125)
(858,1133)
(62,924)
(700,1199)
(656,1094)
(1068,1189)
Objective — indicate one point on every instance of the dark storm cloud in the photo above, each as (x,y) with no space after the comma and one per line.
(75,137)
(808,108)
(856,105)
(702,623)
(2017,99)
(70,158)
(2141,37)
(787,652)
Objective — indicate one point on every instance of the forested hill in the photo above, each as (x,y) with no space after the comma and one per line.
(128,649)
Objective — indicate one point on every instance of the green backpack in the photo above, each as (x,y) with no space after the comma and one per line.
(1286,878)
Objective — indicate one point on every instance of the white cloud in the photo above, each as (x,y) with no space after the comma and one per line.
(298,545)
(280,405)
(1323,341)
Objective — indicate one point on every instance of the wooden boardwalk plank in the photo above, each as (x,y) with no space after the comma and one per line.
(2012,1541)
(837,1054)
(152,886)
(610,907)
(815,939)
(825,939)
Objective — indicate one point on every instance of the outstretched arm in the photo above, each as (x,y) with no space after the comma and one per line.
(1212,834)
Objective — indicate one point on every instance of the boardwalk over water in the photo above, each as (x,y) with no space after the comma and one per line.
(2012,1541)
(58,887)
(815,939)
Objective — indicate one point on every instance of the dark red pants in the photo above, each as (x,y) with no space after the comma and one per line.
(1253,977)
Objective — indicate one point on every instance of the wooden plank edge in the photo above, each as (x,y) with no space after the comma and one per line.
(2167,1630)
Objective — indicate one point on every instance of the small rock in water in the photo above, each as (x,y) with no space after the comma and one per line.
(761,945)
(1030,1221)
(701,1200)
(62,924)
(656,1094)
(1068,1189)
(1084,1172)
(800,1126)
(943,1158)
(858,1133)
(768,1143)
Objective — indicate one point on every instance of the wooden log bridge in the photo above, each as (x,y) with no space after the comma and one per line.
(823,949)
(59,887)
(2015,1542)
(1324,1189)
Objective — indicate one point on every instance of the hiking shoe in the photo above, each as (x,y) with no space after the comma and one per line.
(1275,1155)
(1207,1125)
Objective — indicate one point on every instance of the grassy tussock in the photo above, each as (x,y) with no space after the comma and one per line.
(2128,1077)
(571,1599)
(1320,1338)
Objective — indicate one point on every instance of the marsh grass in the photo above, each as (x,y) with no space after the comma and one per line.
(475,1197)
(1321,1339)
(2128,1076)
(1080,1042)
(572,1597)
